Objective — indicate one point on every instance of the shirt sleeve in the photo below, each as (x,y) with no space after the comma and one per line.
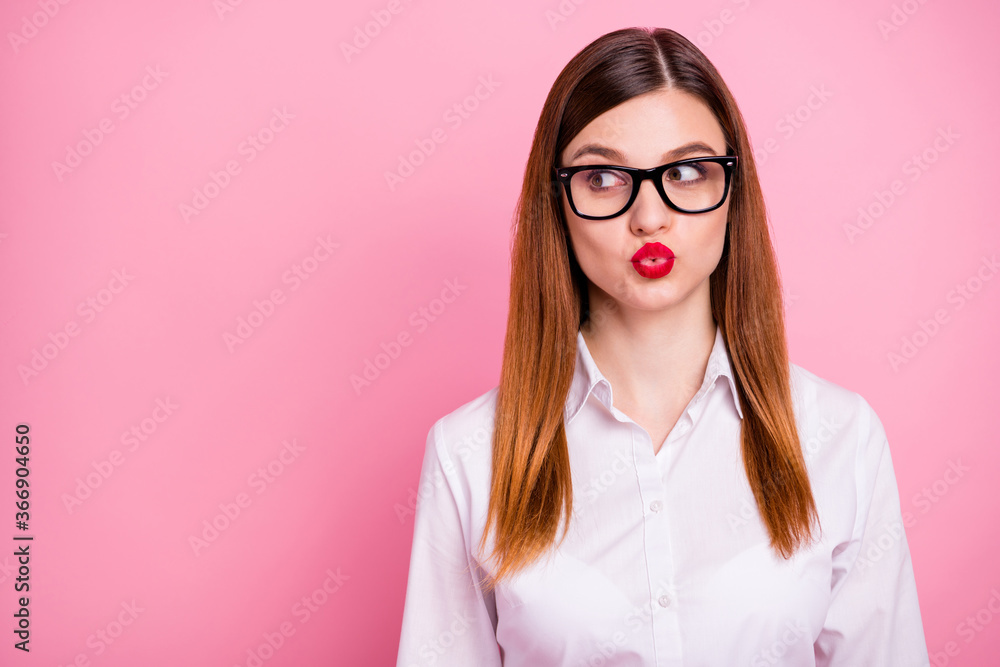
(447,620)
(874,616)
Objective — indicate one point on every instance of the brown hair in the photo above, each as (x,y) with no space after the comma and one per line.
(531,482)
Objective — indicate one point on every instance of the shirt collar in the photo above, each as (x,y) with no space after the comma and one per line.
(587,378)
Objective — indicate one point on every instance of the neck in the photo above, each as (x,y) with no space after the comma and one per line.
(651,356)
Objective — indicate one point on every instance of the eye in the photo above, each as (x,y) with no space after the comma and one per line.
(684,172)
(602,179)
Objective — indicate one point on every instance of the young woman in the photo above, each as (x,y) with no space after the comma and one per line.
(652,482)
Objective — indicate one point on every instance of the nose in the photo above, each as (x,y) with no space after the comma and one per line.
(649,212)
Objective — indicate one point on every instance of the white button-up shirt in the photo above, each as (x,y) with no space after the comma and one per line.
(667,561)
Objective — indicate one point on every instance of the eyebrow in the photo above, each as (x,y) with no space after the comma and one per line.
(669,156)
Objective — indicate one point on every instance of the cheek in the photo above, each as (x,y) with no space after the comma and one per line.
(590,249)
(717,239)
(702,248)
(716,228)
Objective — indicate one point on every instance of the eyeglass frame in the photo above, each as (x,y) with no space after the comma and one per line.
(565,174)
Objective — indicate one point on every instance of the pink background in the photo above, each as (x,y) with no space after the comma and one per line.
(339,500)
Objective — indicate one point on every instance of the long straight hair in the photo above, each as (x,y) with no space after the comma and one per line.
(531,485)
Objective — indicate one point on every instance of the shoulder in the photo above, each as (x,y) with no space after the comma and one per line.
(459,457)
(843,443)
(810,390)
(463,438)
(840,433)
(821,403)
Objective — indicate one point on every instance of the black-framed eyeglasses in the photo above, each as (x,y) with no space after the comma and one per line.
(602,191)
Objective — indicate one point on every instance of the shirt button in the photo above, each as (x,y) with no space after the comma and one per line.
(664,600)
(656,505)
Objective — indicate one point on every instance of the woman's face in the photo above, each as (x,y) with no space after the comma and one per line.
(643,132)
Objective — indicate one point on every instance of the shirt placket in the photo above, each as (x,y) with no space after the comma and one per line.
(659,561)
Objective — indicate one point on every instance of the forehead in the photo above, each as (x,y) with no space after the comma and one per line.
(645,127)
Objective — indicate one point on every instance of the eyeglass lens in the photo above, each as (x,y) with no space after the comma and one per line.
(693,187)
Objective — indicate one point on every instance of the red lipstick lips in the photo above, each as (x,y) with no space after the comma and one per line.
(653,260)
